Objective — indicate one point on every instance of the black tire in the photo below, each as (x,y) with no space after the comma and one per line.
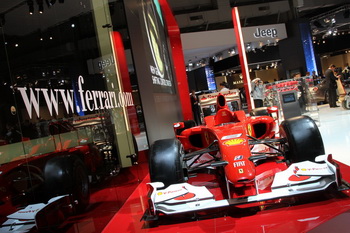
(304,141)
(262,111)
(68,175)
(346,103)
(166,162)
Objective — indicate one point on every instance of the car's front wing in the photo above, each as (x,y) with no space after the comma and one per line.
(184,197)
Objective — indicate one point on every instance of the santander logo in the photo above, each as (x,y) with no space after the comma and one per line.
(295,177)
(74,101)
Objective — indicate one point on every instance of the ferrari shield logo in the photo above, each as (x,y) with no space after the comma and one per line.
(250,129)
(240,170)
(236,141)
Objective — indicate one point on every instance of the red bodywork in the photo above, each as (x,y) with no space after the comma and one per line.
(232,131)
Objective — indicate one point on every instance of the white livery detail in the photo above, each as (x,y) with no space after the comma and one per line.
(298,178)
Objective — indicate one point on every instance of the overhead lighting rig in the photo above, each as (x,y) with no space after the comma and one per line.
(330,23)
(40,5)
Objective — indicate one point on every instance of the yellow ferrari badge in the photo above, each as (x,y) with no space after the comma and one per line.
(232,142)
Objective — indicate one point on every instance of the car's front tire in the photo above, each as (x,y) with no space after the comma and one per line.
(166,162)
(303,139)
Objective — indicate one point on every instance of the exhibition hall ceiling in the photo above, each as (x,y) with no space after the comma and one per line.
(206,15)
(328,17)
(194,13)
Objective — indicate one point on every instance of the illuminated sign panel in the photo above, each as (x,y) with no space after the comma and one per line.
(90,100)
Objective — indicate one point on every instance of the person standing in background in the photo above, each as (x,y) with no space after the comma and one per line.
(331,81)
(258,92)
(195,107)
(224,87)
(315,78)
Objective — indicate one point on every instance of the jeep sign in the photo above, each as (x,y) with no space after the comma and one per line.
(262,33)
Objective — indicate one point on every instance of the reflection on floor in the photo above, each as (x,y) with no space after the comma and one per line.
(335,132)
(141,140)
(107,199)
(321,213)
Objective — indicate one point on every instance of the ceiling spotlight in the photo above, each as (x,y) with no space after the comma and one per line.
(326,20)
(40,5)
(335,31)
(30,6)
(31,10)
(232,52)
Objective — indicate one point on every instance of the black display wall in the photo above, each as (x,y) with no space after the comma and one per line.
(291,51)
(153,67)
(197,79)
(191,80)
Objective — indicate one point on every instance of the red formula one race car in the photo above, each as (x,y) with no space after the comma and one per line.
(253,157)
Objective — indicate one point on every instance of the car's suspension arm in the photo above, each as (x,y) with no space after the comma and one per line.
(211,148)
(267,142)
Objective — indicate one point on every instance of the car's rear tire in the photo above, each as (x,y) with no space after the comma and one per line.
(304,141)
(262,111)
(166,162)
(68,175)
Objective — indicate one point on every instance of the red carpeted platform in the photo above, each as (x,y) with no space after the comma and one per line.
(319,212)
